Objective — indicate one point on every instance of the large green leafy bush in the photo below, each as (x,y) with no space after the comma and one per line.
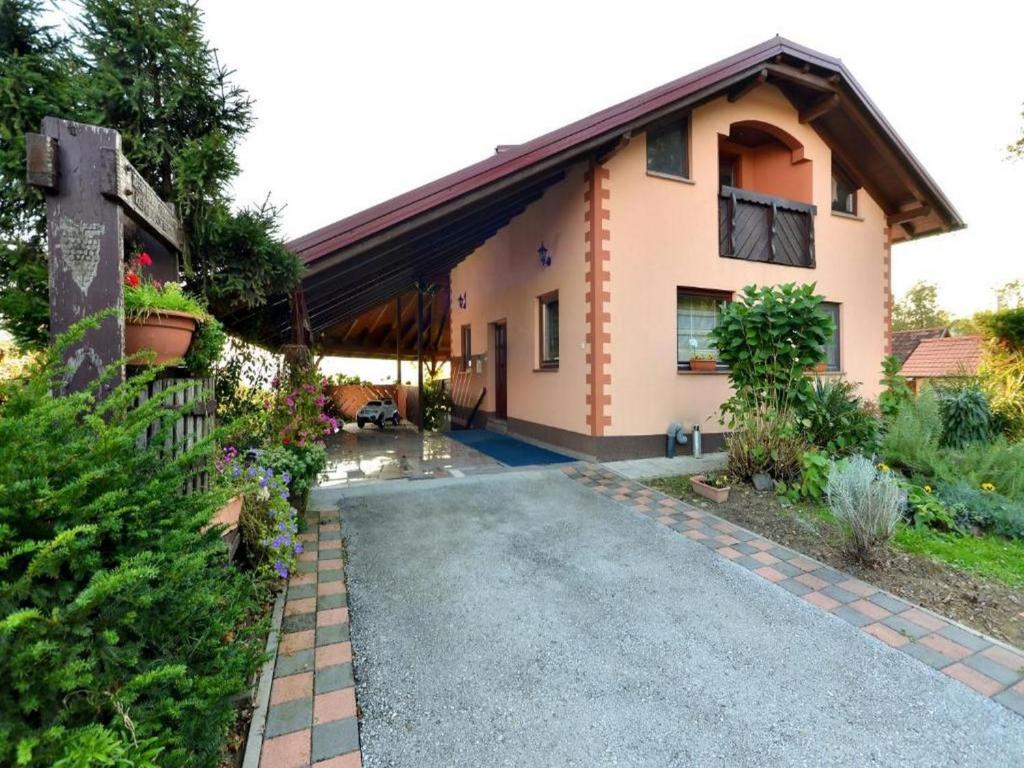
(124,632)
(768,338)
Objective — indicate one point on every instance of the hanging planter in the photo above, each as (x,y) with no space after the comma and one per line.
(163,324)
(166,332)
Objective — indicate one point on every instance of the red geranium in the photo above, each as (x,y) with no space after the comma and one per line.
(145,259)
(132,279)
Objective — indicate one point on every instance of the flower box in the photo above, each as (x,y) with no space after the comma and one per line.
(228,514)
(704,365)
(166,332)
(708,491)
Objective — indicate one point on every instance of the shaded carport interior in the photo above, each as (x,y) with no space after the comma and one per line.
(373,280)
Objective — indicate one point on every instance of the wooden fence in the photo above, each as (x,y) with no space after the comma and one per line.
(193,426)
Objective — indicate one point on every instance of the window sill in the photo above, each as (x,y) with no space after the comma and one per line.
(671,177)
(688,372)
(850,216)
(546,369)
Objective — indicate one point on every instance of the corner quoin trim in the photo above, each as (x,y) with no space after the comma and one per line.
(598,279)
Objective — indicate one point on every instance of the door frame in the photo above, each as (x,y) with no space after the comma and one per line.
(499,330)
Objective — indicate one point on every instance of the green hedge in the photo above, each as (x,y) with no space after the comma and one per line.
(124,632)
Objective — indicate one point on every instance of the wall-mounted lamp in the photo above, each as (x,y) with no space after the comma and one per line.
(462,300)
(545,256)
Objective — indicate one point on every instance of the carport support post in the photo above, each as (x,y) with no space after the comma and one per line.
(419,355)
(398,344)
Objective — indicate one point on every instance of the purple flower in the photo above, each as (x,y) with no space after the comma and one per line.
(298,548)
(287,478)
(281,569)
(252,472)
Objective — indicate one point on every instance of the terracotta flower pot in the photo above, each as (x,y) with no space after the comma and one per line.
(717,495)
(166,332)
(705,366)
(821,367)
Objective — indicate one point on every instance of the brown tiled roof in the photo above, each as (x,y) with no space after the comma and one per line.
(905,342)
(948,356)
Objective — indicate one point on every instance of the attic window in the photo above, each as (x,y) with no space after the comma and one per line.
(667,150)
(844,192)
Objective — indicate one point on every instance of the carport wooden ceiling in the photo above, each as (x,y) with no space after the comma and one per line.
(389,329)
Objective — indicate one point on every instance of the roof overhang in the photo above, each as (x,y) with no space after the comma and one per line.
(369,258)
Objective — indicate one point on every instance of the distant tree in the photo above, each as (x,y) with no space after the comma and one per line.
(144,68)
(919,308)
(39,76)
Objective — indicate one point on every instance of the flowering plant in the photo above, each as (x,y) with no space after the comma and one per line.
(145,296)
(268,522)
(297,409)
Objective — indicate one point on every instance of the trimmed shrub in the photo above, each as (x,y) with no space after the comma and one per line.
(126,635)
(867,500)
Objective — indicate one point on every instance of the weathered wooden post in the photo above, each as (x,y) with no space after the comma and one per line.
(92,194)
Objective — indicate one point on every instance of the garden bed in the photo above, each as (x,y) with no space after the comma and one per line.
(989,598)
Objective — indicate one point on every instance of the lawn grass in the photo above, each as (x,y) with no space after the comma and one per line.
(989,555)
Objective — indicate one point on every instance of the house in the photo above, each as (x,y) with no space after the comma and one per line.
(943,358)
(905,342)
(584,266)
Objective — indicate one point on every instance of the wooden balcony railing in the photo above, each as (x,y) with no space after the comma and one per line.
(757,227)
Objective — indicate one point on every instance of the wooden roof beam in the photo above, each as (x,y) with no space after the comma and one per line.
(907,215)
(820,108)
(746,87)
(798,76)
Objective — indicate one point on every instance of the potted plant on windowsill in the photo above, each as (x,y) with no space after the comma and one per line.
(713,486)
(164,325)
(704,361)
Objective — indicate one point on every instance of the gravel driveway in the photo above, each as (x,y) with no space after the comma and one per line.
(523,620)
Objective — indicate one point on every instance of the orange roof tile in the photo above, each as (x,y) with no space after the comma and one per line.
(950,356)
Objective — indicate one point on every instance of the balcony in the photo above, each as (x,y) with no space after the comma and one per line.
(757,227)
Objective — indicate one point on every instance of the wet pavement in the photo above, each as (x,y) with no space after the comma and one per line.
(359,456)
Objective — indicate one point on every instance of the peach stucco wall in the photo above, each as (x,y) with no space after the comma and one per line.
(662,234)
(665,235)
(503,279)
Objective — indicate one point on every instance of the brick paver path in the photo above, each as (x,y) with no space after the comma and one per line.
(312,715)
(991,668)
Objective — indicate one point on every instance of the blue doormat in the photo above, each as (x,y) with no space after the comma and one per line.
(507,450)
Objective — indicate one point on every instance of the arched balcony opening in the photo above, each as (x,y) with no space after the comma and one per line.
(766,211)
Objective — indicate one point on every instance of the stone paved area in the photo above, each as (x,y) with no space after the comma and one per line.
(988,666)
(359,456)
(312,715)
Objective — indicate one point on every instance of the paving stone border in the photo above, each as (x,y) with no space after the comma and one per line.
(311,719)
(986,665)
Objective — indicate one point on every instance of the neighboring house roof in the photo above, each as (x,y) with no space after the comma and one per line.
(366,259)
(905,342)
(947,356)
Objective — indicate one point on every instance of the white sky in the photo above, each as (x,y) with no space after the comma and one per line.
(357,102)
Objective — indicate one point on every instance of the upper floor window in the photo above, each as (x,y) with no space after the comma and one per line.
(844,192)
(668,150)
(832,360)
(697,313)
(549,330)
(467,346)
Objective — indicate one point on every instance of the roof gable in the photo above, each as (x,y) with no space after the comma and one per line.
(428,230)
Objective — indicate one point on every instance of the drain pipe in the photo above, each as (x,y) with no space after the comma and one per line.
(696,441)
(675,434)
